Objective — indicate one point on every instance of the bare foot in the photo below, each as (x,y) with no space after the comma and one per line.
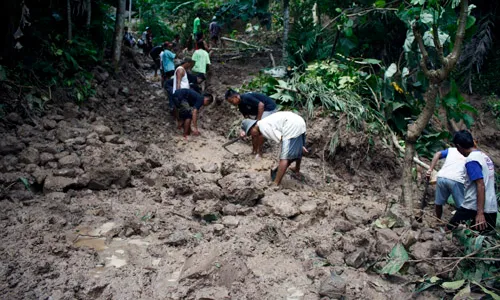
(258,156)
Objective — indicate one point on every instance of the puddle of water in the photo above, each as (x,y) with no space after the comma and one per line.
(97,244)
(105,228)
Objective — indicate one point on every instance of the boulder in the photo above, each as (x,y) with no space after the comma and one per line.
(178,238)
(230,221)
(357,215)
(386,240)
(10,145)
(14,118)
(356,259)
(29,155)
(207,191)
(281,205)
(208,210)
(8,163)
(51,148)
(45,157)
(57,184)
(102,130)
(341,225)
(70,161)
(101,178)
(333,287)
(48,124)
(424,250)
(210,168)
(241,189)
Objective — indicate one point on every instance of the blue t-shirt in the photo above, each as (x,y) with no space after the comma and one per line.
(249,103)
(167,59)
(194,99)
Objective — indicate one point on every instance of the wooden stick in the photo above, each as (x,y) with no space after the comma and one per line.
(245,43)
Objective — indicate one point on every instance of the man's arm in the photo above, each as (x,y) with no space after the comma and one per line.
(179,74)
(435,159)
(260,110)
(480,220)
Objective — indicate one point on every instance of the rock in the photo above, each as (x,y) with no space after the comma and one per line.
(212,293)
(151,178)
(70,161)
(342,225)
(26,131)
(210,168)
(102,130)
(207,191)
(57,184)
(31,168)
(409,238)
(51,148)
(241,189)
(14,118)
(40,175)
(112,138)
(427,235)
(49,124)
(102,178)
(356,215)
(8,163)
(20,195)
(79,140)
(333,287)
(60,155)
(10,145)
(336,258)
(65,173)
(208,210)
(281,205)
(100,74)
(308,207)
(230,221)
(356,259)
(29,155)
(424,268)
(45,157)
(218,229)
(52,165)
(386,240)
(424,250)
(155,156)
(178,238)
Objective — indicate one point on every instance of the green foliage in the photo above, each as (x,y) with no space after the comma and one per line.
(481,273)
(456,106)
(397,258)
(263,84)
(493,106)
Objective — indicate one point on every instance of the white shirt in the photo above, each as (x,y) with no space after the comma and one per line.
(184,80)
(488,170)
(282,125)
(454,166)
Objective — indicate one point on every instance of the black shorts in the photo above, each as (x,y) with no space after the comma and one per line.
(463,215)
(157,63)
(168,74)
(184,111)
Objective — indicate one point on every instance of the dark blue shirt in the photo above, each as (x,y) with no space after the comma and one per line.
(194,99)
(249,103)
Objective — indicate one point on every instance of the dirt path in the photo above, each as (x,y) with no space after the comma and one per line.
(124,208)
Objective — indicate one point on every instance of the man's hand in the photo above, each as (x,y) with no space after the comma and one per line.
(304,150)
(242,134)
(480,221)
(428,173)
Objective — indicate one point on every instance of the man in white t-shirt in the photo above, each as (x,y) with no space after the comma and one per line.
(283,127)
(480,202)
(450,179)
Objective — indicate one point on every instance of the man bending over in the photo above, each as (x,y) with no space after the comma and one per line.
(188,104)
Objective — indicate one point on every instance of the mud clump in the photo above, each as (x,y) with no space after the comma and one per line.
(243,189)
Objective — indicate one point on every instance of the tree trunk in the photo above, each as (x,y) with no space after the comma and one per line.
(286,27)
(68,12)
(89,12)
(413,133)
(119,27)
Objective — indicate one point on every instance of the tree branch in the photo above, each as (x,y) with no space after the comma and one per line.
(459,38)
(425,55)
(439,47)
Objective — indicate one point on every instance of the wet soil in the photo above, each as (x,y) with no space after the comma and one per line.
(122,207)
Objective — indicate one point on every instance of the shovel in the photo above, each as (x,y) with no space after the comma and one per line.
(230,143)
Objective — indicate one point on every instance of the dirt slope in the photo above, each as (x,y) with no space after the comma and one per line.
(122,207)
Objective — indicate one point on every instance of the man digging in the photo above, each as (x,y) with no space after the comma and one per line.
(286,128)
(188,103)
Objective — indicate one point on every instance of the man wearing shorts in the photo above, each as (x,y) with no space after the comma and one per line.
(155,55)
(480,202)
(286,128)
(450,179)
(188,104)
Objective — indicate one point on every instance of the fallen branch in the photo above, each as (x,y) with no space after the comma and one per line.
(246,44)
(402,150)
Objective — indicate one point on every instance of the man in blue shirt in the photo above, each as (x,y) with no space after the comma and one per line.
(480,202)
(167,61)
(252,104)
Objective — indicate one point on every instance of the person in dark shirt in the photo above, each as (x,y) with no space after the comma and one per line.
(155,55)
(187,105)
(252,104)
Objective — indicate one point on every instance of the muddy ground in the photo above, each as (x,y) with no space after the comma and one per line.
(120,206)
